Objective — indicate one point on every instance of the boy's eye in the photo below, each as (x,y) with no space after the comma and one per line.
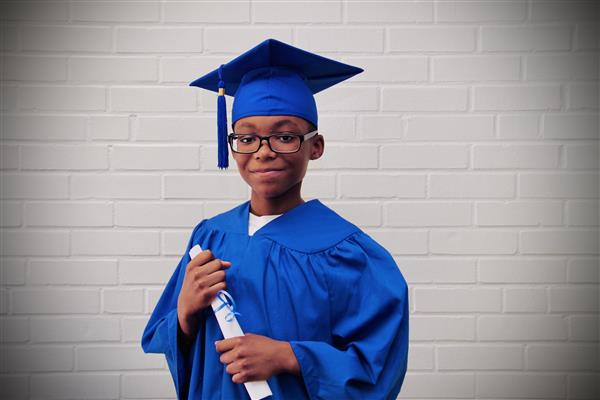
(246,139)
(285,138)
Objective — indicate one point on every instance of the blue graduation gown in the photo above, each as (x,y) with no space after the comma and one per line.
(308,277)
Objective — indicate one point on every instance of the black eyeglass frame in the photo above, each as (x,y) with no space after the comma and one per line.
(303,138)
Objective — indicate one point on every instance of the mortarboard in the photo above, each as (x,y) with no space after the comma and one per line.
(272,78)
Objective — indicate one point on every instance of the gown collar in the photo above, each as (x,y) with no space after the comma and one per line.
(291,216)
(309,227)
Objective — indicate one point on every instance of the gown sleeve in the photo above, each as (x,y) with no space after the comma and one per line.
(367,355)
(163,334)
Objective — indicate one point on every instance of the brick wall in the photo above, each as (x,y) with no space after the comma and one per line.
(468,148)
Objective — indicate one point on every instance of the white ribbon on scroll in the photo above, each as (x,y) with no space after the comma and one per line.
(231,328)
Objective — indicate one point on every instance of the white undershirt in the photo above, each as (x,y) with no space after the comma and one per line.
(255,222)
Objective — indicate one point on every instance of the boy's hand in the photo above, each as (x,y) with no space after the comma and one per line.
(256,358)
(204,277)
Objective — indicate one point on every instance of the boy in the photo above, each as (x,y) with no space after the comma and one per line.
(324,308)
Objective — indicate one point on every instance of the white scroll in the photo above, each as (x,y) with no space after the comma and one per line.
(231,328)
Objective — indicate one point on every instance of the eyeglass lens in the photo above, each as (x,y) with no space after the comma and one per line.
(279,143)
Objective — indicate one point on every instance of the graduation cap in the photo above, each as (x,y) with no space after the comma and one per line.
(272,78)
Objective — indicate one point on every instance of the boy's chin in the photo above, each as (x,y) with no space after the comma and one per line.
(269,193)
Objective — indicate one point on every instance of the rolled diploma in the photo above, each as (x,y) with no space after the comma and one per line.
(256,389)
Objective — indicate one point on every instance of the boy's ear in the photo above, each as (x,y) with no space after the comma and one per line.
(317,148)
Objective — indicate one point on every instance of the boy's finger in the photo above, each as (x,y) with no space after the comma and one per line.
(203,257)
(227,357)
(226,344)
(215,277)
(215,289)
(213,265)
(234,368)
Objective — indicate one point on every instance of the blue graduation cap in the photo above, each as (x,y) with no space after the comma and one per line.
(272,78)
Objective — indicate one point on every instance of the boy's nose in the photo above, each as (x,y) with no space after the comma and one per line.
(264,150)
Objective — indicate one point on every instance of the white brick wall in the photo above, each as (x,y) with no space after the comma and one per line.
(468,148)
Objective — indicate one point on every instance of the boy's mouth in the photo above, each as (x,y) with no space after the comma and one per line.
(267,173)
(266,170)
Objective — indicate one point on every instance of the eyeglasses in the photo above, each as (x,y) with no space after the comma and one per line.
(281,142)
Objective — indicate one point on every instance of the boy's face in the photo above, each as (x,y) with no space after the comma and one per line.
(290,167)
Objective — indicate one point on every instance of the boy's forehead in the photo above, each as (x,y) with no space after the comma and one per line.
(273,121)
